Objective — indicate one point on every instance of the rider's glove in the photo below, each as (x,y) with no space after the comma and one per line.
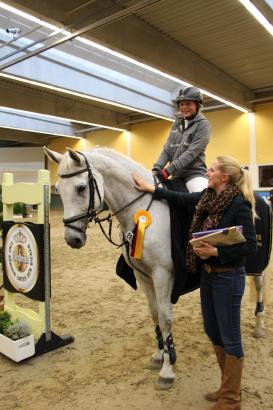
(163,175)
(156,169)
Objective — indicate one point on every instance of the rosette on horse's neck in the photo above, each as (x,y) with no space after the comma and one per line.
(142,219)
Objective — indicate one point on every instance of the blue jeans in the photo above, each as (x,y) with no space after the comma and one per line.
(221,295)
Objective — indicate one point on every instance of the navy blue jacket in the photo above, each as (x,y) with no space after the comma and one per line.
(239,212)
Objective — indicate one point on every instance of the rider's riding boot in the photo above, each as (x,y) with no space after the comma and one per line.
(230,393)
(220,354)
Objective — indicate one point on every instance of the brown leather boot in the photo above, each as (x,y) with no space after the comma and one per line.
(220,354)
(230,393)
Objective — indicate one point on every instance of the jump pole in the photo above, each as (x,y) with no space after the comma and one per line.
(33,194)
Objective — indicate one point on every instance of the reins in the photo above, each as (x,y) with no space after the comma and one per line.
(126,243)
(109,219)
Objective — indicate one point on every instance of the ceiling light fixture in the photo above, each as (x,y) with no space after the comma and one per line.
(27,16)
(257,15)
(231,104)
(46,116)
(156,71)
(38,132)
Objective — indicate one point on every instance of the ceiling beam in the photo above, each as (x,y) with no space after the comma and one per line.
(19,96)
(88,11)
(150,46)
(23,136)
(265,9)
(38,8)
(24,121)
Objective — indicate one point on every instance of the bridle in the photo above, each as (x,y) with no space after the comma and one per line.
(90,213)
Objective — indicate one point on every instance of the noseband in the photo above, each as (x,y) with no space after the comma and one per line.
(93,189)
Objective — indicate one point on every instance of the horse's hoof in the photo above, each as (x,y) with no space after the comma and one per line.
(155,364)
(258,333)
(164,383)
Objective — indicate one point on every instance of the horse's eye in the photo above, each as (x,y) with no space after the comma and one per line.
(81,188)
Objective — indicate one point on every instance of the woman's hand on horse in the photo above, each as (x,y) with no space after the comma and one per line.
(206,250)
(141,185)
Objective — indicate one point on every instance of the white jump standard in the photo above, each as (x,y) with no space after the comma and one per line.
(26,259)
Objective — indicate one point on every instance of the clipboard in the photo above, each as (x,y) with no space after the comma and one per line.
(219,237)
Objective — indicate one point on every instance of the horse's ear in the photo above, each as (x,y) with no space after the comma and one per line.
(53,155)
(74,155)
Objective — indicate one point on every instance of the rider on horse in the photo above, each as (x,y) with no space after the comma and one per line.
(183,154)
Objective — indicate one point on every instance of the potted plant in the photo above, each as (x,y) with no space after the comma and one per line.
(16,338)
(20,208)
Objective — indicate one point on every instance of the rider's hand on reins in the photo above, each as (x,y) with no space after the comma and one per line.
(141,185)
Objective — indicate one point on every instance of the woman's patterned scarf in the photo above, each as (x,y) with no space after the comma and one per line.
(207,216)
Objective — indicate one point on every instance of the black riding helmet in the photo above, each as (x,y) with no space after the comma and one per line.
(189,94)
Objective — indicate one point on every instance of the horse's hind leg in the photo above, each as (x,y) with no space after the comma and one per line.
(156,360)
(259,312)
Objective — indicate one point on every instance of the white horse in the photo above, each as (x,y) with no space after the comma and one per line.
(103,174)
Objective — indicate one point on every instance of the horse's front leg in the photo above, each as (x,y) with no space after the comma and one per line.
(259,312)
(163,283)
(156,360)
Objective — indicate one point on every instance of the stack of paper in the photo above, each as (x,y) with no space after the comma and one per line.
(219,237)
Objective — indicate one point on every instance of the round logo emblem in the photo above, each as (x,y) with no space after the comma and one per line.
(21,258)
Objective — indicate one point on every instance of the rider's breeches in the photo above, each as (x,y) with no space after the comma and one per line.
(197,184)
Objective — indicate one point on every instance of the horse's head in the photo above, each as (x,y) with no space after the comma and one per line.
(81,189)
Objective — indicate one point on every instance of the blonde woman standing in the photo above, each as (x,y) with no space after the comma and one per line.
(228,201)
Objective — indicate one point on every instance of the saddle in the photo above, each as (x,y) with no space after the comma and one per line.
(184,281)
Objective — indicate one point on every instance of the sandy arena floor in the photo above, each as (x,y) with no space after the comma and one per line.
(105,368)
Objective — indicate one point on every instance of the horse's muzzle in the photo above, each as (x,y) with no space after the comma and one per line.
(75,242)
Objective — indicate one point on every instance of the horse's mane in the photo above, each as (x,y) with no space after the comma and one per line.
(121,160)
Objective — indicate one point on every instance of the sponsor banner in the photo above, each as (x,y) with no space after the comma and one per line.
(23,259)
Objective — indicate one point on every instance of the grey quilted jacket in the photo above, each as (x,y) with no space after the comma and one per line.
(185,149)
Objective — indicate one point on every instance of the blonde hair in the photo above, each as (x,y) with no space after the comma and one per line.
(239,176)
